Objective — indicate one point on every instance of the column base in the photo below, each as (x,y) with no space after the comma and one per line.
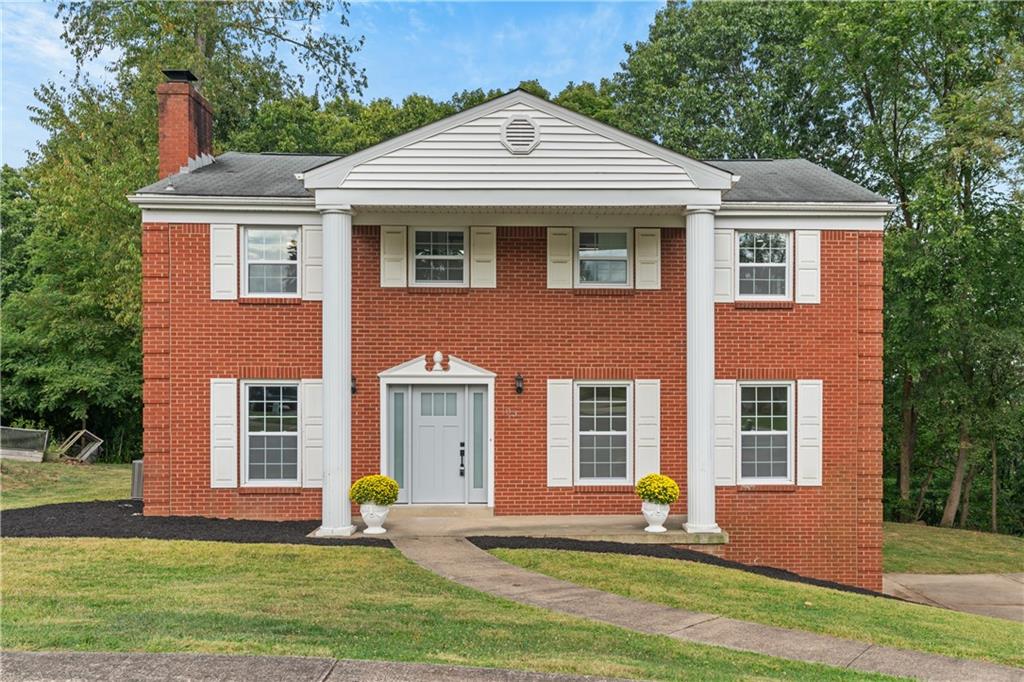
(701,528)
(340,532)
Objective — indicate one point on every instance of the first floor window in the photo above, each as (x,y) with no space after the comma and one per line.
(603,434)
(765,423)
(439,257)
(272,261)
(763,264)
(602,257)
(272,433)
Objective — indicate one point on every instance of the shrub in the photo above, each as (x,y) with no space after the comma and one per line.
(657,488)
(375,489)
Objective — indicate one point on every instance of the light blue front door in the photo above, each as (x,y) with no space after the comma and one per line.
(439,445)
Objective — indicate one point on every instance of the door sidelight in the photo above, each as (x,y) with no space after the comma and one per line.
(462,458)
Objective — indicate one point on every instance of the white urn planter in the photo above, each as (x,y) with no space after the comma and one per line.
(374,516)
(655,514)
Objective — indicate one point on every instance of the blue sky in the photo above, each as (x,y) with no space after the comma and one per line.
(431,48)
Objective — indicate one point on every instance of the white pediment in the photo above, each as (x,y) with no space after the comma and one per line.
(517,142)
(416,370)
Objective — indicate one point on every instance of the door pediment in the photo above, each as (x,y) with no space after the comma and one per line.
(422,369)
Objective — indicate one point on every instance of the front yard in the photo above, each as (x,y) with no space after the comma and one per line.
(358,602)
(746,596)
(344,602)
(371,603)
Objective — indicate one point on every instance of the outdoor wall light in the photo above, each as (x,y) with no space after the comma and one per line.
(353,384)
(519,383)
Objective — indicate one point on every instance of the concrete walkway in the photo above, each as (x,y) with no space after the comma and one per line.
(17,666)
(459,560)
(988,594)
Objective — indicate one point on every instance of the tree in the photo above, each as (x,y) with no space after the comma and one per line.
(71,334)
(17,218)
(718,79)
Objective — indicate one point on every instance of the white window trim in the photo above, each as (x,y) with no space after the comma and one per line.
(790,435)
(788,296)
(412,257)
(243,247)
(630,433)
(630,255)
(244,412)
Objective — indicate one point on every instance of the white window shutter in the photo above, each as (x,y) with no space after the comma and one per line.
(223,261)
(560,432)
(647,408)
(393,250)
(559,258)
(223,433)
(312,251)
(483,257)
(809,394)
(311,406)
(725,432)
(725,256)
(647,243)
(808,266)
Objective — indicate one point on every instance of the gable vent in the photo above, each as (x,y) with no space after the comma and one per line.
(520,134)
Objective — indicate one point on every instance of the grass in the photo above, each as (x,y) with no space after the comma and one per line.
(346,602)
(737,594)
(28,484)
(913,548)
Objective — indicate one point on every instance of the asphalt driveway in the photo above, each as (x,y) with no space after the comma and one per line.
(1000,595)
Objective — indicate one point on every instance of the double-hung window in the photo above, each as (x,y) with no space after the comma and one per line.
(762,265)
(603,257)
(766,428)
(271,261)
(603,434)
(438,256)
(271,434)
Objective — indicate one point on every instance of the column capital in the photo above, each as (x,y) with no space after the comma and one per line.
(702,208)
(343,210)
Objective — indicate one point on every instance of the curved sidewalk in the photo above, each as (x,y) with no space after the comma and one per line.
(24,666)
(460,561)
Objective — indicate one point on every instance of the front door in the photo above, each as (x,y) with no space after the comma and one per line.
(439,437)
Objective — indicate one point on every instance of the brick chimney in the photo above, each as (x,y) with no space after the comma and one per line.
(185,122)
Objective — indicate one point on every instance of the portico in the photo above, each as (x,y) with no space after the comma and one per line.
(401,181)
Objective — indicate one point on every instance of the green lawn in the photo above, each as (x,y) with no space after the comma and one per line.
(28,484)
(912,548)
(346,602)
(742,595)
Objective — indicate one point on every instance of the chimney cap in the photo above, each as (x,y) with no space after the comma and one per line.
(179,76)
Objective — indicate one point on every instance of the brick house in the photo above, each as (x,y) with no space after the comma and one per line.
(521,308)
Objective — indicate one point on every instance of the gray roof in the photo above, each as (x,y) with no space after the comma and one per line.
(791,180)
(240,174)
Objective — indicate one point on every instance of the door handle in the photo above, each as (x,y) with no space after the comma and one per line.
(462,458)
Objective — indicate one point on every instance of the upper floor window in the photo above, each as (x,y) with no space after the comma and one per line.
(271,261)
(762,265)
(438,257)
(603,257)
(271,434)
(765,430)
(603,417)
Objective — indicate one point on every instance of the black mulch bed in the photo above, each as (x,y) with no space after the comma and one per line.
(661,552)
(124,519)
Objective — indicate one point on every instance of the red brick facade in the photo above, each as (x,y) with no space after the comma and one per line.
(832,531)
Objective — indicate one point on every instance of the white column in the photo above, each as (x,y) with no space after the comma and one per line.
(337,372)
(700,370)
